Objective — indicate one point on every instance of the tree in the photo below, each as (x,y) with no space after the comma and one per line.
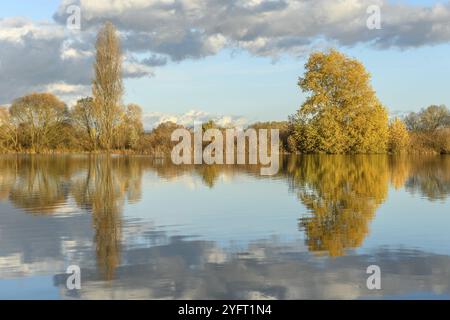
(133,118)
(131,129)
(342,113)
(282,126)
(9,131)
(40,117)
(434,118)
(429,119)
(412,122)
(430,129)
(398,136)
(86,123)
(107,86)
(159,142)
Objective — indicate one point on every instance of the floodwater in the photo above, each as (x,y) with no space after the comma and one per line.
(141,228)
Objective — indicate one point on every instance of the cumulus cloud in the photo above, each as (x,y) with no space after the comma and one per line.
(196,28)
(154,32)
(153,119)
(41,56)
(32,58)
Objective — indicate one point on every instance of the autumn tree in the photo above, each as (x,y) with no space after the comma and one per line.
(342,113)
(40,117)
(429,129)
(158,141)
(429,119)
(398,136)
(9,131)
(85,123)
(107,86)
(282,126)
(412,121)
(131,129)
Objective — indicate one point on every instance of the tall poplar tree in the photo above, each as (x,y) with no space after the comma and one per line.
(107,86)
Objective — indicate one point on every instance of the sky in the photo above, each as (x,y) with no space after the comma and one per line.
(229,60)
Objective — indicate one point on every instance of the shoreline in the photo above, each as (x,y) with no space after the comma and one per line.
(135,153)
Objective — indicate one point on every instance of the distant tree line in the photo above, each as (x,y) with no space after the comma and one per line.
(429,130)
(341,115)
(40,122)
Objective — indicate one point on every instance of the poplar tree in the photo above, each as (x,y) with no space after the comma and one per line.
(107,86)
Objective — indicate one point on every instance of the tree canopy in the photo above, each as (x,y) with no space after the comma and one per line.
(40,117)
(342,113)
(429,119)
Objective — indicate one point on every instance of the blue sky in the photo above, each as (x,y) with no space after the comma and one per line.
(258,88)
(241,83)
(40,9)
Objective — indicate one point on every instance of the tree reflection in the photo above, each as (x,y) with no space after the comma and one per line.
(8,173)
(209,175)
(400,169)
(430,177)
(108,182)
(342,194)
(100,185)
(41,184)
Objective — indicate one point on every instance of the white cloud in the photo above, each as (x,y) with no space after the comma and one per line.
(135,69)
(31,58)
(153,119)
(196,28)
(17,29)
(37,54)
(64,88)
(67,92)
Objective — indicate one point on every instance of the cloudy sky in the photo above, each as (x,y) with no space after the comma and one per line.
(230,60)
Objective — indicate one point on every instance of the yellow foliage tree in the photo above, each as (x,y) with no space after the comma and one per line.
(342,113)
(398,136)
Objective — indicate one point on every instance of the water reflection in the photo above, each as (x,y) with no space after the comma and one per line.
(430,177)
(202,270)
(101,191)
(340,196)
(39,187)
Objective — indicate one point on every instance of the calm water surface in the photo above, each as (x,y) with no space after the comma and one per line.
(141,228)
